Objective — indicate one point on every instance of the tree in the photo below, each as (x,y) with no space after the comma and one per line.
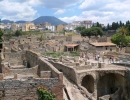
(79,29)
(128,29)
(123,32)
(114,26)
(97,31)
(1,34)
(17,33)
(117,39)
(94,31)
(86,32)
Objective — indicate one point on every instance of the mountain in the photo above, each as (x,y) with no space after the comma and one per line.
(6,21)
(50,19)
(21,21)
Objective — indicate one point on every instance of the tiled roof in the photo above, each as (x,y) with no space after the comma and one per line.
(103,44)
(71,45)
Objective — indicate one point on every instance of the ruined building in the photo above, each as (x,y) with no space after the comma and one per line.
(23,72)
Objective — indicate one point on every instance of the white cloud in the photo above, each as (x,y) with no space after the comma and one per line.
(60,11)
(87,3)
(102,11)
(97,16)
(16,11)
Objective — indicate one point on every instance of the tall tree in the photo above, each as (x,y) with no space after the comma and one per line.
(123,32)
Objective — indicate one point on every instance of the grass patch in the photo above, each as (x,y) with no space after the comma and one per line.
(58,54)
(53,54)
(74,54)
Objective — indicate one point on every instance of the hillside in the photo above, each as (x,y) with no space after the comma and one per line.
(6,21)
(49,19)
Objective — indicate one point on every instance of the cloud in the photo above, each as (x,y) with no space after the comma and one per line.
(16,11)
(102,11)
(97,16)
(60,11)
(59,3)
(49,3)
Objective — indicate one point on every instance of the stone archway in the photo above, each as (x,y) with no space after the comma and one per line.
(88,83)
(110,84)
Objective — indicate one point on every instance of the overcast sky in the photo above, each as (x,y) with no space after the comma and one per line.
(103,11)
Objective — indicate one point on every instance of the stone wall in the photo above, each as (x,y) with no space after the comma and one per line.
(68,71)
(107,82)
(16,87)
(35,59)
(26,71)
(19,90)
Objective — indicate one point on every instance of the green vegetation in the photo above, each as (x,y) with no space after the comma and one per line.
(74,54)
(1,34)
(54,54)
(94,31)
(70,33)
(44,94)
(79,29)
(58,54)
(122,36)
(18,33)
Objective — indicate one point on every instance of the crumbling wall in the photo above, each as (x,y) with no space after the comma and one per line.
(19,90)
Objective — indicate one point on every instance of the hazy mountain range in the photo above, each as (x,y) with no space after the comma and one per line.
(50,19)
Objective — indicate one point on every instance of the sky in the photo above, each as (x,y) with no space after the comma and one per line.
(103,11)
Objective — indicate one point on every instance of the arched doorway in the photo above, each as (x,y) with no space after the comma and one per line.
(111,83)
(88,83)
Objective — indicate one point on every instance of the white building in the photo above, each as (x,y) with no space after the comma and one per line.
(51,28)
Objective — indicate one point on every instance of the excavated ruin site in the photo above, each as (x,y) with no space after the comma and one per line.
(25,67)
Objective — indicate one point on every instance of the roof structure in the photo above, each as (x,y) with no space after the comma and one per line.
(97,44)
(71,45)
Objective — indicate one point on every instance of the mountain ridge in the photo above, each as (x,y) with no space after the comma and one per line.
(42,19)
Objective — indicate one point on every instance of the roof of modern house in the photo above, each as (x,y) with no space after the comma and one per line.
(102,44)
